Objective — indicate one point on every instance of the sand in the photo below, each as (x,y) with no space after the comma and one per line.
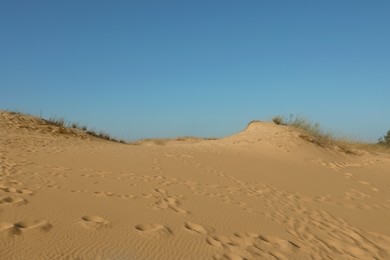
(264,193)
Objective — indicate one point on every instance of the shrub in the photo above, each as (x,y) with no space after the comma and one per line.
(92,132)
(67,127)
(58,121)
(312,132)
(307,126)
(279,120)
(385,140)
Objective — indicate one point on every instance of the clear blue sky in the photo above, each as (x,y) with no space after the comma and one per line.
(172,68)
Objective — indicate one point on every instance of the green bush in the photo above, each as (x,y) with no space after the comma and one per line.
(279,120)
(385,139)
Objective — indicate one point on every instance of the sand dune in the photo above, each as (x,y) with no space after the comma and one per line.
(264,193)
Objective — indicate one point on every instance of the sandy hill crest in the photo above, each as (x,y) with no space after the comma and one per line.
(15,122)
(288,138)
(256,130)
(266,134)
(264,193)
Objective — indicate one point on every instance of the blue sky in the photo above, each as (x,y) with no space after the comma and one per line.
(141,69)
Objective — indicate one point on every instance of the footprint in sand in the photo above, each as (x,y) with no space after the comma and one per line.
(246,245)
(93,221)
(42,224)
(5,226)
(195,227)
(9,189)
(149,227)
(348,175)
(111,194)
(281,244)
(12,200)
(164,201)
(14,190)
(370,185)
(22,226)
(213,241)
(153,228)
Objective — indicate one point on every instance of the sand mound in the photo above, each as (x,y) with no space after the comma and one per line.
(259,131)
(31,124)
(264,193)
(288,138)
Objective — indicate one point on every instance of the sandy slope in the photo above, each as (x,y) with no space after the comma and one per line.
(261,194)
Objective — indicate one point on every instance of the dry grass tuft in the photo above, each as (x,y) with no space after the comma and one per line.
(58,121)
(374,148)
(62,126)
(278,120)
(313,133)
(102,135)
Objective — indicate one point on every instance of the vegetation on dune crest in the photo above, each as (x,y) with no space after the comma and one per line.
(303,124)
(385,140)
(279,120)
(65,127)
(313,133)
(61,122)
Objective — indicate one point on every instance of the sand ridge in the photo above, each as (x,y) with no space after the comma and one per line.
(263,193)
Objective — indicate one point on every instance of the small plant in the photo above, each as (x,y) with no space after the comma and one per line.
(385,140)
(58,121)
(15,113)
(307,126)
(312,132)
(104,135)
(279,120)
(67,127)
(92,132)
